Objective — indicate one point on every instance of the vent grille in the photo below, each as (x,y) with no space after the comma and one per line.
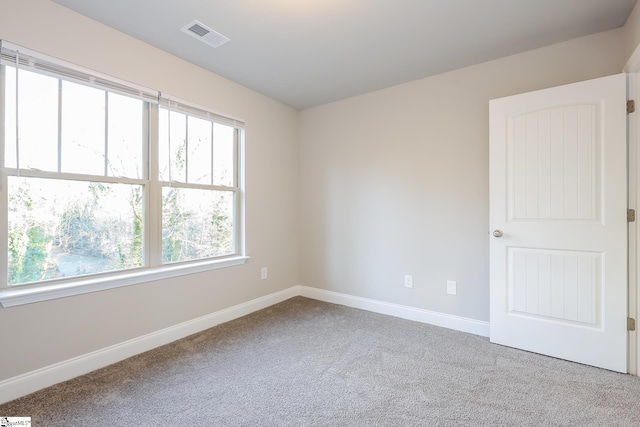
(199,30)
(205,34)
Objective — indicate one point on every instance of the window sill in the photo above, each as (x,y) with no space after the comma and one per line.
(15,297)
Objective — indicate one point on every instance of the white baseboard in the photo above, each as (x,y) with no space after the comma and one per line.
(472,326)
(30,382)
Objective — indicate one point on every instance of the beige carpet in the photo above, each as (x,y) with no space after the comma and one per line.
(304,362)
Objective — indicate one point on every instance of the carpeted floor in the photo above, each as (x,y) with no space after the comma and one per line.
(304,362)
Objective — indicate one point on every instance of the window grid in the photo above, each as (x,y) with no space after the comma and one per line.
(172,186)
(150,183)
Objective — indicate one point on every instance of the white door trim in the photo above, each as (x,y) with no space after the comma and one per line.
(633,92)
(632,68)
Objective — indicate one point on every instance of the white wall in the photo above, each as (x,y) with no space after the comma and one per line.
(396,181)
(37,335)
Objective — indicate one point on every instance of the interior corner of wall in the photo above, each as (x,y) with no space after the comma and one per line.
(632,35)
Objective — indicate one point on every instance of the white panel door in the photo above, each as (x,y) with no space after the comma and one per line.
(558,190)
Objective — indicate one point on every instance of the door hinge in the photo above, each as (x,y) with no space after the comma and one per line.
(631,106)
(631,215)
(631,324)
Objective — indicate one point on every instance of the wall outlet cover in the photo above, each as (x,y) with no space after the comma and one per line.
(408,281)
(451,287)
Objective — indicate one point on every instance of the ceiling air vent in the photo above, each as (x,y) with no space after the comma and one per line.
(205,34)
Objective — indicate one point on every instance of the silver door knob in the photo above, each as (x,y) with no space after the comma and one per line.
(497,233)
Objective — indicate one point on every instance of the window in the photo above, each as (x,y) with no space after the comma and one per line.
(99,176)
(198,175)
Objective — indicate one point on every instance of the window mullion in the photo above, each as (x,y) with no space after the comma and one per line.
(153,195)
(2,121)
(35,173)
(4,203)
(59,125)
(197,186)
(236,195)
(4,226)
(106,133)
(235,157)
(238,208)
(186,148)
(213,145)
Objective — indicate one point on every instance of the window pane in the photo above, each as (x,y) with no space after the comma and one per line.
(163,145)
(83,129)
(176,152)
(199,160)
(223,155)
(125,148)
(61,228)
(38,120)
(196,224)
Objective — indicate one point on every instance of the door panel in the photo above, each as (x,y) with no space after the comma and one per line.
(558,194)
(558,285)
(553,164)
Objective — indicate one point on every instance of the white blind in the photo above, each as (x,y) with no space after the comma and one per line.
(175,104)
(31,60)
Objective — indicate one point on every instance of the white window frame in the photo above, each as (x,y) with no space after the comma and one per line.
(173,104)
(153,268)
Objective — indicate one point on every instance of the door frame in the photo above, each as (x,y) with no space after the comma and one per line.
(632,68)
(633,160)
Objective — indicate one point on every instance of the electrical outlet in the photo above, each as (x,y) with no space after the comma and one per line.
(451,287)
(408,281)
(264,273)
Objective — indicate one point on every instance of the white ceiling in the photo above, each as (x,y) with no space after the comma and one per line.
(310,52)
